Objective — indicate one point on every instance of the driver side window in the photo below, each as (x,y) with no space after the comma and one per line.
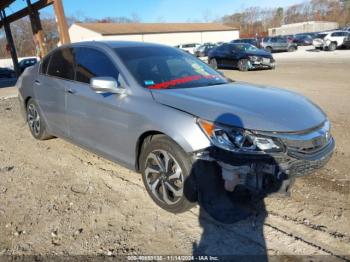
(93,63)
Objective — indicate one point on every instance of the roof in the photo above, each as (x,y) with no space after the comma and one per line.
(114,44)
(152,28)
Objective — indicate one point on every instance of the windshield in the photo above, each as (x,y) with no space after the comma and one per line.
(167,68)
(245,47)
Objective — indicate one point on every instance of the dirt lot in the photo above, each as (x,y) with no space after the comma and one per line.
(57,199)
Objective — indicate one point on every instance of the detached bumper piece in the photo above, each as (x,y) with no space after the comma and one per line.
(264,174)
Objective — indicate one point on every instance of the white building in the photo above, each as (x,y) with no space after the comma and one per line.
(303,27)
(165,33)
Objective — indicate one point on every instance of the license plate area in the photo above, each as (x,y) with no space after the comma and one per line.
(266,61)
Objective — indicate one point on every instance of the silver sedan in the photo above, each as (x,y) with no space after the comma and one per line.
(164,113)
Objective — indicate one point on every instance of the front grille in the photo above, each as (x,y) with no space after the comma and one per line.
(309,142)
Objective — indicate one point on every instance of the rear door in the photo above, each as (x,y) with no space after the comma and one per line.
(97,121)
(281,43)
(224,55)
(57,74)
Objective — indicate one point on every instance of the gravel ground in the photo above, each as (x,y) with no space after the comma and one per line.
(58,199)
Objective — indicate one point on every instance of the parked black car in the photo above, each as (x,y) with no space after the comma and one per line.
(204,49)
(252,41)
(303,39)
(27,62)
(7,73)
(241,56)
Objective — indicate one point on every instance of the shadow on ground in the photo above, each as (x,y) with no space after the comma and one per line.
(233,222)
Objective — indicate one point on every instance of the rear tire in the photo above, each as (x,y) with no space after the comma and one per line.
(167,174)
(243,65)
(35,120)
(213,63)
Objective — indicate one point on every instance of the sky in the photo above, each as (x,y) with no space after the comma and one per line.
(149,11)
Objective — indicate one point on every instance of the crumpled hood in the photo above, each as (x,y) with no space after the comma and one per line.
(246,106)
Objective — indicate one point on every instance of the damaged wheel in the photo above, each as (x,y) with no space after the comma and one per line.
(166,173)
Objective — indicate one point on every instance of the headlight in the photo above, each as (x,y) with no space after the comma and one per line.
(239,140)
(253,58)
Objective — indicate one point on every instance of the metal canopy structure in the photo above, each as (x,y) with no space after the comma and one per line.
(32,10)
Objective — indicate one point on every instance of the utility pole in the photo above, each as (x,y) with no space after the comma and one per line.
(10,42)
(37,30)
(61,22)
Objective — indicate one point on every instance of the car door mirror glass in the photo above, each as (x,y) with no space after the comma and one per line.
(106,85)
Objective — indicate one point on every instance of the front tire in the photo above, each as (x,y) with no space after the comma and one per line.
(291,49)
(243,65)
(166,174)
(332,47)
(36,122)
(268,49)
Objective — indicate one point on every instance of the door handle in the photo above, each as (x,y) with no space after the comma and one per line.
(37,82)
(71,91)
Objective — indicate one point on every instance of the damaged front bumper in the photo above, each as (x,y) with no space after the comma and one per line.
(262,63)
(264,174)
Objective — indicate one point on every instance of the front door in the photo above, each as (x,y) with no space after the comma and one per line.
(95,120)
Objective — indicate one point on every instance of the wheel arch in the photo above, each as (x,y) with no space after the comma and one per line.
(140,141)
(147,136)
(26,100)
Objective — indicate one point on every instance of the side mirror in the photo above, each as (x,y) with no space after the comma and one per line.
(106,85)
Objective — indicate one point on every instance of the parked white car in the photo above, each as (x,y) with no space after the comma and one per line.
(189,47)
(330,40)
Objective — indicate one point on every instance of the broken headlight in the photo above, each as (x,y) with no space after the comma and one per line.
(239,140)
(253,58)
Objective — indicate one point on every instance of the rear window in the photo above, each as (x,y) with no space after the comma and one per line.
(45,64)
(62,64)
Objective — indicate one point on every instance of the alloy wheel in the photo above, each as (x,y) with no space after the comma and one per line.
(33,119)
(164,177)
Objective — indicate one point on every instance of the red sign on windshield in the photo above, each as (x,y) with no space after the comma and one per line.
(179,81)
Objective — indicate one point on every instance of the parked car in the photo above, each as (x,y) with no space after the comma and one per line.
(27,62)
(346,43)
(171,117)
(252,41)
(330,40)
(203,50)
(7,72)
(241,56)
(272,44)
(189,48)
(290,38)
(346,28)
(303,39)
